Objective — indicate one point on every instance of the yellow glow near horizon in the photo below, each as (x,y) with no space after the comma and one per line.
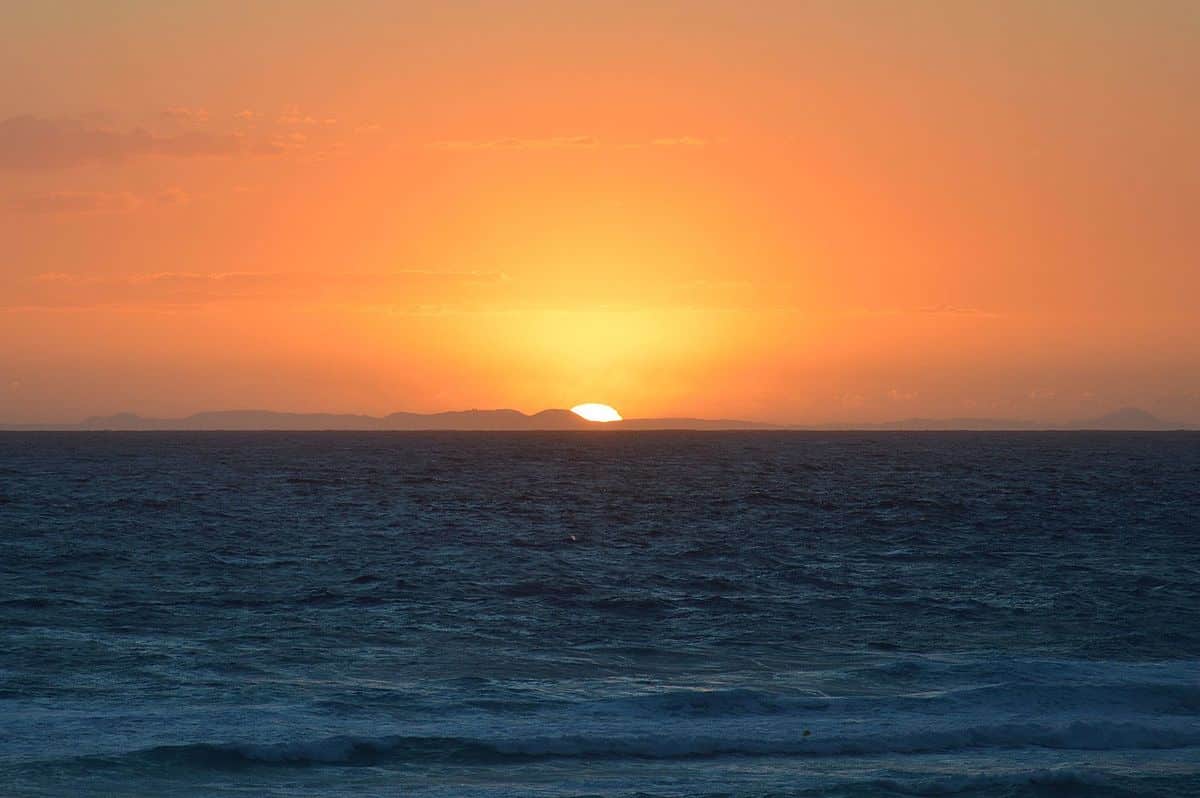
(594,411)
(813,213)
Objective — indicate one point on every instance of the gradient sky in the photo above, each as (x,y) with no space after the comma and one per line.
(777,210)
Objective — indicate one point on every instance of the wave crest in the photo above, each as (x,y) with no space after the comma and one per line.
(349,750)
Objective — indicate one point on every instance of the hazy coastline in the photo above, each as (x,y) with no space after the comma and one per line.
(1125,419)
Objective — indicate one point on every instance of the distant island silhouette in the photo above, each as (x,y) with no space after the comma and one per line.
(1127,418)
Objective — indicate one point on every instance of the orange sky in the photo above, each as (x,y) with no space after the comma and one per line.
(776,210)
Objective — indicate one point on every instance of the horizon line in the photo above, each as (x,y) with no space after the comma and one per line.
(1124,418)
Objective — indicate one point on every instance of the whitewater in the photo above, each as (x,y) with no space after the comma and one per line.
(569,614)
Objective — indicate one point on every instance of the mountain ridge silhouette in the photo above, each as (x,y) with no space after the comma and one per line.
(508,419)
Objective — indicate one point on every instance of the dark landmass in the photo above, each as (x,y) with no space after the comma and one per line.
(692,423)
(1128,418)
(248,420)
(461,420)
(936,424)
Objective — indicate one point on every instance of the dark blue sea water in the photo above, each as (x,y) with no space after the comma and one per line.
(579,614)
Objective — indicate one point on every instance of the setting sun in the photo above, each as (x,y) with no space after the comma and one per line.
(698,206)
(593,411)
(899,296)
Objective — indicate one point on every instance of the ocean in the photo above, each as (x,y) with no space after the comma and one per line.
(599,614)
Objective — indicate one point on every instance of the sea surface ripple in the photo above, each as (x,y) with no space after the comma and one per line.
(600,614)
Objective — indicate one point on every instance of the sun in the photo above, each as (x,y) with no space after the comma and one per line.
(593,411)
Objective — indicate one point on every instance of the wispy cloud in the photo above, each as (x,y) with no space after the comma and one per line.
(29,142)
(88,202)
(569,143)
(182,113)
(691,142)
(173,196)
(409,291)
(167,288)
(294,117)
(552,143)
(958,310)
(68,202)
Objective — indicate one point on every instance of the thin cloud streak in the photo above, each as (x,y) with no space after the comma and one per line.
(57,289)
(31,143)
(553,143)
(564,143)
(75,202)
(68,203)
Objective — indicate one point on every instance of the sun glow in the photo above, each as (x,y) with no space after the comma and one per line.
(593,411)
